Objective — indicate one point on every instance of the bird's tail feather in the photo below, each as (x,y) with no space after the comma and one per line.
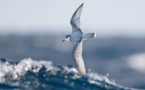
(89,35)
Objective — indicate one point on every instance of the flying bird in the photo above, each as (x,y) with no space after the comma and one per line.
(77,38)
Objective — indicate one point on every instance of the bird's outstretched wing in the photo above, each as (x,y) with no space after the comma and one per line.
(77,55)
(75,20)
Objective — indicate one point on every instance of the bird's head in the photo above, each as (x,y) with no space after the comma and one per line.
(67,38)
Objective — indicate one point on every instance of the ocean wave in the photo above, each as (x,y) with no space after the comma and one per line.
(35,75)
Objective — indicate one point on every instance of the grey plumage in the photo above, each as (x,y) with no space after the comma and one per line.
(75,20)
(89,35)
(77,37)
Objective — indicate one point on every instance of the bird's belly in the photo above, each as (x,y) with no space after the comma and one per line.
(76,36)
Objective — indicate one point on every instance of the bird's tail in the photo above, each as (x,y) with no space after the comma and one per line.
(89,35)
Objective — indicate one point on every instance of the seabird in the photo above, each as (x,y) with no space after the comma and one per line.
(77,38)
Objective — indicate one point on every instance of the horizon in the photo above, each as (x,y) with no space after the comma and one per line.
(106,18)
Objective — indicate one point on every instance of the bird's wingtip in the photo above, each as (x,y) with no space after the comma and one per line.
(85,75)
(82,4)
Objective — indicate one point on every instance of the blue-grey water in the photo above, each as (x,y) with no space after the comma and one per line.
(44,62)
(30,74)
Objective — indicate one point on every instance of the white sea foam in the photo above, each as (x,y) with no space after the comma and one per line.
(20,69)
(137,62)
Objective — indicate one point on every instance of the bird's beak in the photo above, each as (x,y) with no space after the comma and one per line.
(63,40)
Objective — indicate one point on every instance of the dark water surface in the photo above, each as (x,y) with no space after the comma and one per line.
(29,74)
(111,63)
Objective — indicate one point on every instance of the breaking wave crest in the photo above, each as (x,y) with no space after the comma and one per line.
(30,74)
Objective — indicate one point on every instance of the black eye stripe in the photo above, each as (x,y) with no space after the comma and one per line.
(67,36)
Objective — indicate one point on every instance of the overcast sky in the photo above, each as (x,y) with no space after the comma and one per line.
(105,17)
